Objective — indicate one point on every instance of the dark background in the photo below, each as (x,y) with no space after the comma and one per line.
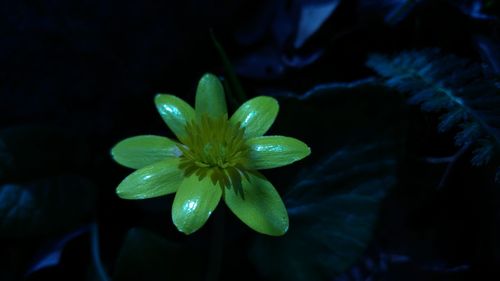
(374,201)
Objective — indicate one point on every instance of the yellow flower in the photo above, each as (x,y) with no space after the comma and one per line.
(215,157)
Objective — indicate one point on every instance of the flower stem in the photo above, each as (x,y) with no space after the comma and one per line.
(216,247)
(234,82)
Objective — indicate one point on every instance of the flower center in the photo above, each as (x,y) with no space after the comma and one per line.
(214,145)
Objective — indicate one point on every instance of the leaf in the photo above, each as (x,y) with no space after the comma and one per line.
(333,207)
(490,53)
(40,192)
(45,206)
(148,256)
(333,114)
(446,83)
(392,11)
(281,36)
(475,9)
(483,154)
(313,14)
(338,188)
(50,254)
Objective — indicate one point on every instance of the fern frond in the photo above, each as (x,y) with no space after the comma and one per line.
(452,86)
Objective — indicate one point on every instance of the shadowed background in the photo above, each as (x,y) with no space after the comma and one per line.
(384,195)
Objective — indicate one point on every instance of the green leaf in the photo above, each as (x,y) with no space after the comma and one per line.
(148,256)
(333,208)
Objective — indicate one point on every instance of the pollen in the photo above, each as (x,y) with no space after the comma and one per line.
(214,147)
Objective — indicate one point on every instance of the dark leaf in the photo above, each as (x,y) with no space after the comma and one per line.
(40,190)
(333,208)
(312,16)
(50,254)
(279,35)
(45,206)
(150,257)
(474,9)
(451,119)
(391,11)
(451,84)
(490,53)
(483,154)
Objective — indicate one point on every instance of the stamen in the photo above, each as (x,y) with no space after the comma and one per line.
(214,147)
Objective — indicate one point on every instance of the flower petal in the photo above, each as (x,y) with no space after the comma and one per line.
(194,202)
(155,180)
(210,97)
(140,151)
(175,112)
(258,205)
(256,115)
(274,151)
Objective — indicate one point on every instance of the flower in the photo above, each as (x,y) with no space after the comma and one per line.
(215,157)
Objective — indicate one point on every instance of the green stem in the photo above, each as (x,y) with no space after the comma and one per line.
(217,247)
(234,82)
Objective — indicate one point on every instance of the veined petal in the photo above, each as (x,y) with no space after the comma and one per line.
(210,97)
(257,203)
(175,112)
(155,180)
(194,202)
(256,115)
(275,151)
(140,151)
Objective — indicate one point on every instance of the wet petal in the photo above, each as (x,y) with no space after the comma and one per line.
(175,112)
(258,205)
(275,151)
(155,180)
(194,202)
(210,97)
(256,115)
(140,151)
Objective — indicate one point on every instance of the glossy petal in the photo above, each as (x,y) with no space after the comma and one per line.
(256,115)
(275,151)
(140,151)
(258,205)
(194,202)
(155,180)
(210,97)
(175,112)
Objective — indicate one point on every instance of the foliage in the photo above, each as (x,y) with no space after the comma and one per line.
(38,194)
(333,209)
(452,86)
